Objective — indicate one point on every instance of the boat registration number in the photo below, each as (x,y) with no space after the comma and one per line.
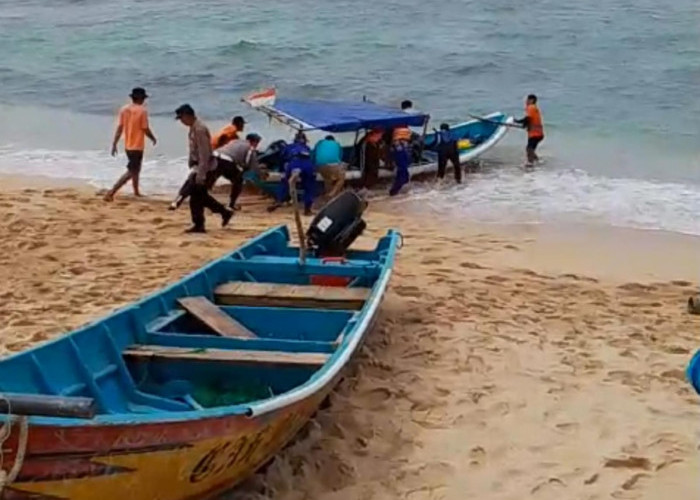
(245,451)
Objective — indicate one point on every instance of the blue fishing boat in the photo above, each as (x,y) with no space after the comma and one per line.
(186,392)
(350,122)
(693,371)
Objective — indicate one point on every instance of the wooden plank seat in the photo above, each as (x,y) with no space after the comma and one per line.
(232,356)
(215,318)
(240,293)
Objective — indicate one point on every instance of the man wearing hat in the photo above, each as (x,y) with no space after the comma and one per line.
(203,165)
(232,161)
(133,124)
(228,133)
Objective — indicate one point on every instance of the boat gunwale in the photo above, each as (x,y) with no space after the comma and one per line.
(314,384)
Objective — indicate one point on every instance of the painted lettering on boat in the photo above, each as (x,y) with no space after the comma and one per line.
(247,450)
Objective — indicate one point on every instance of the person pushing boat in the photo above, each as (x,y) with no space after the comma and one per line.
(228,133)
(203,167)
(235,159)
(297,165)
(328,160)
(447,150)
(532,122)
(232,161)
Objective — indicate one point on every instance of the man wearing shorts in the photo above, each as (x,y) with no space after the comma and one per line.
(133,124)
(532,122)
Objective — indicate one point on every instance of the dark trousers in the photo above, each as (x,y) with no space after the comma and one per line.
(307,180)
(201,199)
(449,152)
(370,172)
(224,169)
(402,159)
(233,174)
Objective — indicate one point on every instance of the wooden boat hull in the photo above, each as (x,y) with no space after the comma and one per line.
(165,461)
(175,457)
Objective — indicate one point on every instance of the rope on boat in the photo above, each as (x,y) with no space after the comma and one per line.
(7,478)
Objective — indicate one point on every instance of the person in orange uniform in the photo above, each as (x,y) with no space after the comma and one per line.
(532,122)
(133,124)
(228,133)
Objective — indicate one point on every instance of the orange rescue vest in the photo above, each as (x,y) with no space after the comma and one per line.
(225,135)
(535,128)
(402,134)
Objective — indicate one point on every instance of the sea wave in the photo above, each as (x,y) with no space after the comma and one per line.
(512,195)
(499,192)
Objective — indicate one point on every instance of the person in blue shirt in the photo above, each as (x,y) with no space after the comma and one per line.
(328,160)
(298,165)
(447,150)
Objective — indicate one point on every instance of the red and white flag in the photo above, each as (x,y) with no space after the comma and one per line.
(263,98)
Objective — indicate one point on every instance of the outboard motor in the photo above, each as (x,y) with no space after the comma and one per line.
(272,156)
(337,225)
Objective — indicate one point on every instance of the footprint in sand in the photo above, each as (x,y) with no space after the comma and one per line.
(631,462)
(632,481)
(637,288)
(408,291)
(430,262)
(471,265)
(477,455)
(682,283)
(567,427)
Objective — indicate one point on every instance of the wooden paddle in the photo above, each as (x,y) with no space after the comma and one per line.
(297,217)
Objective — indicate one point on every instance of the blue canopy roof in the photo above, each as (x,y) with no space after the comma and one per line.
(335,116)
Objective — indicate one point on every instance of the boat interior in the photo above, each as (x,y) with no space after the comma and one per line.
(249,326)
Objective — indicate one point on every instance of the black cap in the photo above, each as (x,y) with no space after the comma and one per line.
(237,119)
(138,93)
(253,137)
(185,109)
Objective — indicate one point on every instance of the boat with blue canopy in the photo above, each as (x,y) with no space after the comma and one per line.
(185,393)
(350,122)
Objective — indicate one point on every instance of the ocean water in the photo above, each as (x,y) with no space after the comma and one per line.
(619,82)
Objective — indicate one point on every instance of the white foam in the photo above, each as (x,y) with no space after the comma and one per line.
(500,194)
(159,174)
(567,195)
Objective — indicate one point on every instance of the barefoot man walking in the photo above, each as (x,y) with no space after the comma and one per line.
(133,124)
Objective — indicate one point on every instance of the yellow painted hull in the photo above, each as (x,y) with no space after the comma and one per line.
(153,462)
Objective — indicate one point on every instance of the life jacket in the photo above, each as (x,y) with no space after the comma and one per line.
(535,128)
(444,136)
(229,133)
(402,134)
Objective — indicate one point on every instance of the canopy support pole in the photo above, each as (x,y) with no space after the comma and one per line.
(422,139)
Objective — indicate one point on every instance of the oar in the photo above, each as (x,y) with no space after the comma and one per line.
(297,217)
(486,120)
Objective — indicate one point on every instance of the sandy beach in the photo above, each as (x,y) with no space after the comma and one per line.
(510,362)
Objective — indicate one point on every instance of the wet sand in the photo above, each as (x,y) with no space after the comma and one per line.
(509,362)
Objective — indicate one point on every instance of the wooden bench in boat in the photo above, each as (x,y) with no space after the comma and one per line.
(215,318)
(240,293)
(238,356)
